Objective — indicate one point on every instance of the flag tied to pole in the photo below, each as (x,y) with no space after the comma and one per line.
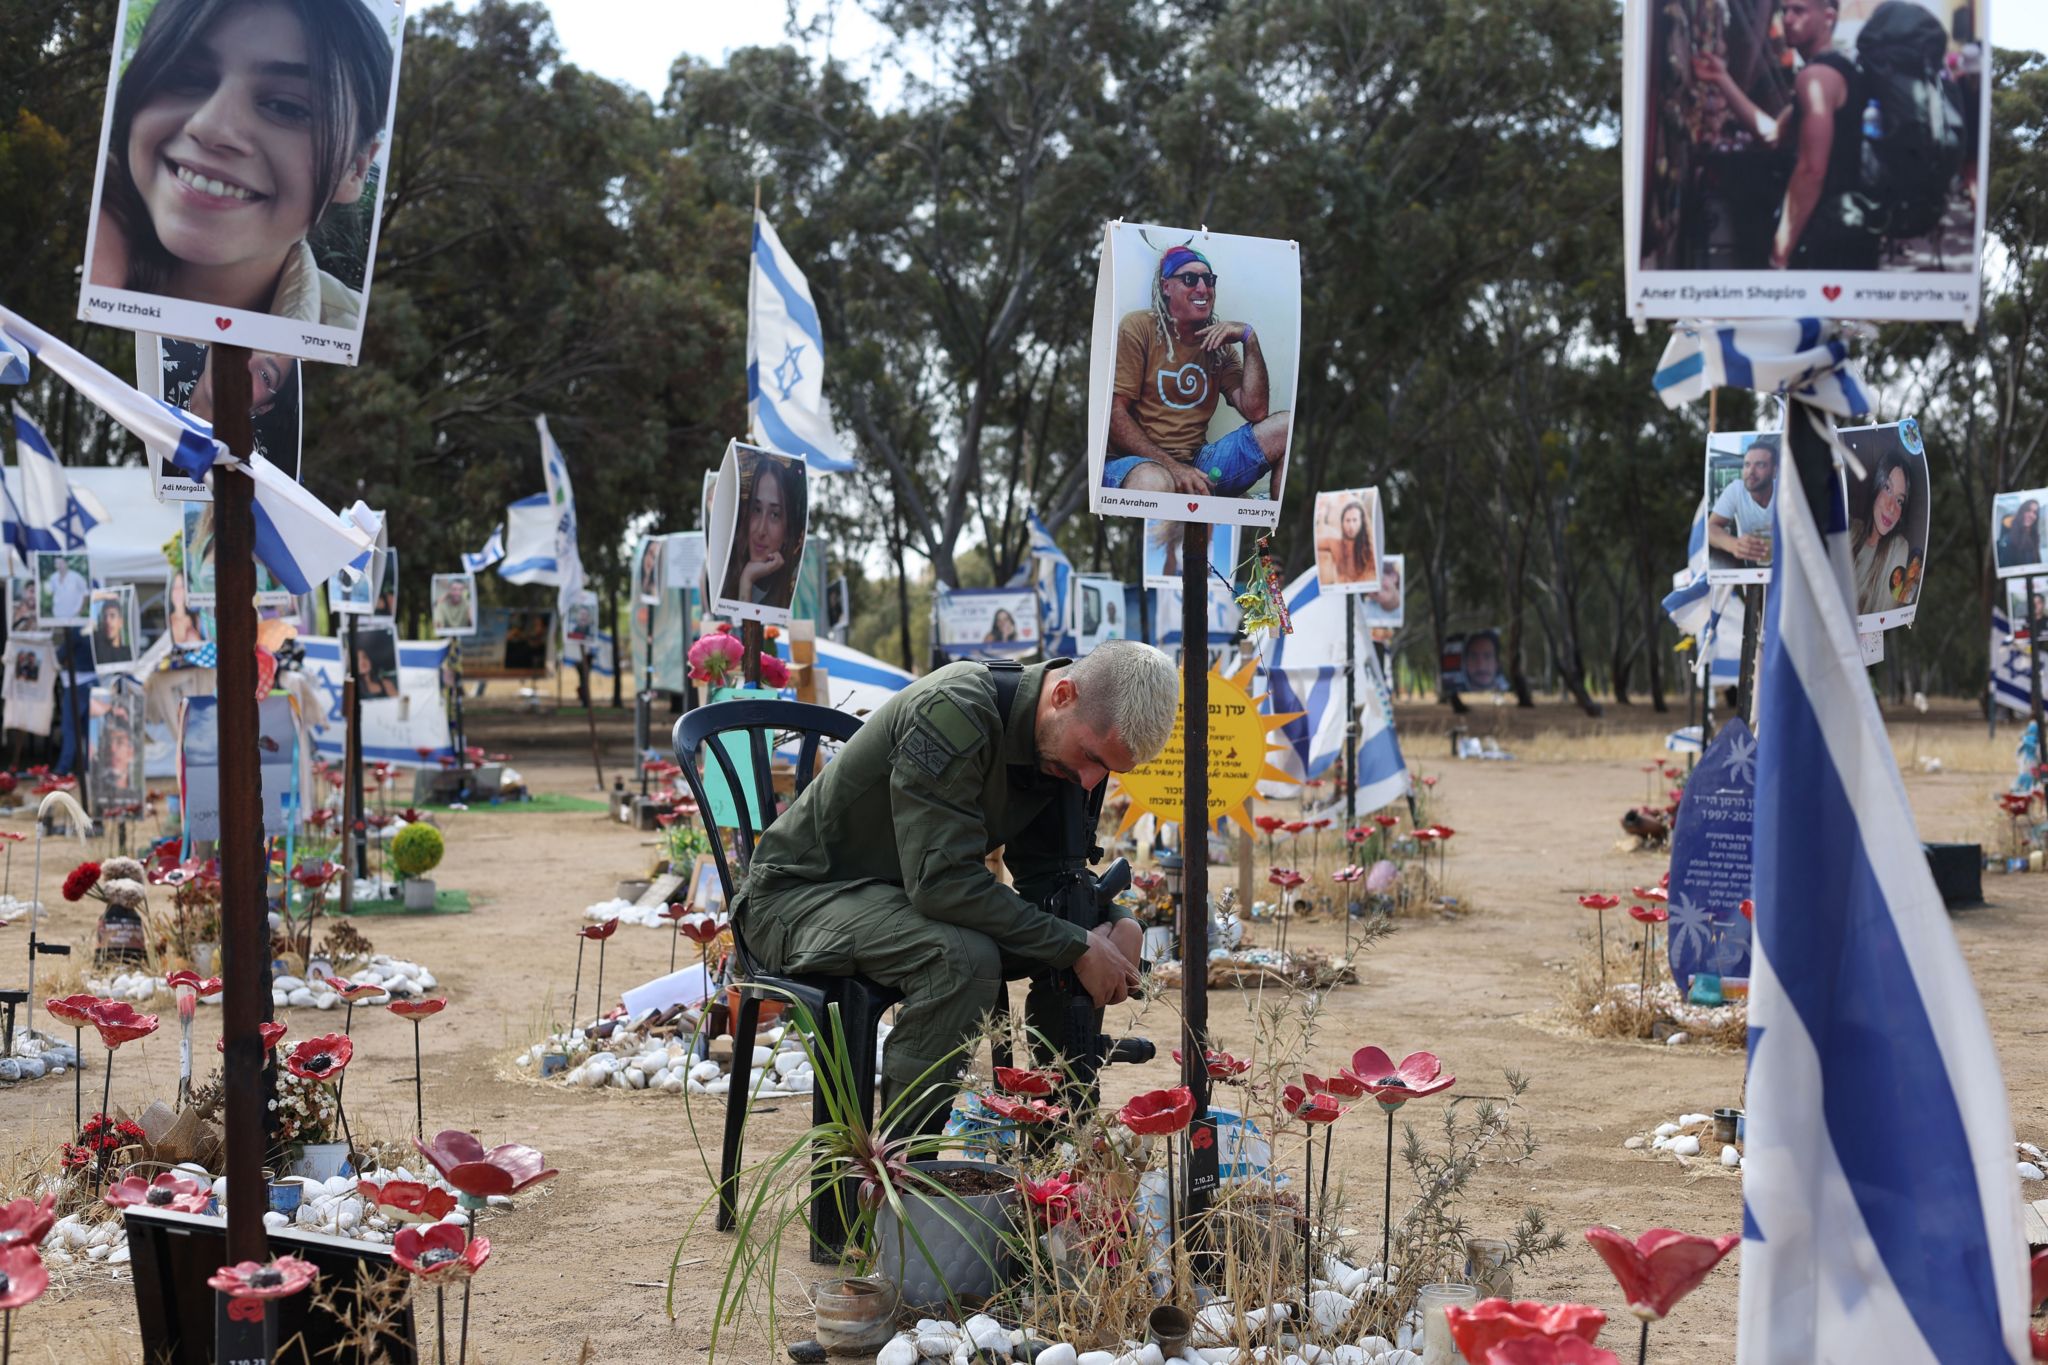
(1054,573)
(1806,359)
(786,408)
(1709,613)
(298,539)
(1881,1211)
(569,581)
(492,552)
(2011,686)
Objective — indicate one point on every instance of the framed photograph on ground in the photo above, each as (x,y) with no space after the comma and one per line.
(2017,546)
(1163,540)
(114,634)
(454,604)
(1386,605)
(1731,209)
(1191,377)
(63,588)
(1741,476)
(706,892)
(181,373)
(1348,537)
(759,519)
(242,160)
(1888,521)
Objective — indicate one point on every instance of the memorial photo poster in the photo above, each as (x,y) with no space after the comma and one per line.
(682,561)
(1385,606)
(115,628)
(987,623)
(647,572)
(1716,222)
(1163,541)
(21,605)
(196,554)
(1348,536)
(63,588)
(114,733)
(384,607)
(454,604)
(30,692)
(354,594)
(376,662)
(509,642)
(1741,477)
(1192,369)
(1888,521)
(181,373)
(2017,546)
(243,156)
(1472,662)
(277,746)
(189,626)
(758,522)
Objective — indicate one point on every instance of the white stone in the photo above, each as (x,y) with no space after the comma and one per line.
(1730,1157)
(1666,1129)
(1687,1145)
(1148,1354)
(309,1214)
(1679,1039)
(1059,1353)
(1328,1309)
(901,1350)
(426,979)
(275,1220)
(1634,1144)
(1688,1120)
(287,983)
(1352,1355)
(326,1002)
(301,996)
(340,1184)
(635,1078)
(348,1214)
(762,1057)
(2029,1171)
(97,1253)
(1096,1358)
(278,1000)
(787,1063)
(620,1081)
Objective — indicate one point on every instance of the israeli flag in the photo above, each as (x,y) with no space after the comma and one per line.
(561,506)
(2011,686)
(1881,1215)
(1305,673)
(1382,774)
(14,359)
(786,407)
(1711,615)
(1055,576)
(492,552)
(1806,359)
(49,516)
(529,542)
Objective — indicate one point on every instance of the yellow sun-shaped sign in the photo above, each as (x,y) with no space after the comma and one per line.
(1238,744)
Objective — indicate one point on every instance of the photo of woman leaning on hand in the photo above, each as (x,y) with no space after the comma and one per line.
(240,133)
(768,541)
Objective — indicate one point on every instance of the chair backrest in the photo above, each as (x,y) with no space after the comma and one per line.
(759,719)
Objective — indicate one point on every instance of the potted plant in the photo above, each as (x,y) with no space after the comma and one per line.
(878,1177)
(415,852)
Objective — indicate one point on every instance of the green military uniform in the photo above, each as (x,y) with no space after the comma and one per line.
(877,869)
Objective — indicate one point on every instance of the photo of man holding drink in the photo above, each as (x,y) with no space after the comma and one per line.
(1742,473)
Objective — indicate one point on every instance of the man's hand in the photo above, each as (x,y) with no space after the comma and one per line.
(1187,479)
(1104,971)
(1222,334)
(1755,549)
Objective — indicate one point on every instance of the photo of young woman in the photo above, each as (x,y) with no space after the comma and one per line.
(187,625)
(377,662)
(2016,532)
(181,374)
(1002,629)
(1888,521)
(197,553)
(241,168)
(766,542)
(1347,532)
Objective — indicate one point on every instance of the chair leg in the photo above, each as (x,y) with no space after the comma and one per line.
(737,1096)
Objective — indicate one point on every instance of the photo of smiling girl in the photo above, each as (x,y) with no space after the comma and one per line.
(764,533)
(240,170)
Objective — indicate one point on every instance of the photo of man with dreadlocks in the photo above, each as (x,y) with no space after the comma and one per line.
(1179,360)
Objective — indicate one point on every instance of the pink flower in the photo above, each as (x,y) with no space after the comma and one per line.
(1659,1268)
(27,1220)
(463,1163)
(440,1250)
(1488,1323)
(1349,873)
(1310,1108)
(171,1190)
(418,1009)
(1055,1194)
(714,659)
(281,1279)
(774,672)
(1221,1065)
(1028,1112)
(320,1059)
(407,1201)
(204,985)
(1549,1351)
(118,1022)
(1648,914)
(1418,1075)
(1017,1081)
(23,1277)
(1600,902)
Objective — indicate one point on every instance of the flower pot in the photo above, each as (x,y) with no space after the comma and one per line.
(553,1063)
(963,1253)
(854,1317)
(770,1009)
(419,893)
(321,1160)
(286,1196)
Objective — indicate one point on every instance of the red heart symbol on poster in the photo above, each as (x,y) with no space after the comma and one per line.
(1831,292)
(1194,506)
(223,323)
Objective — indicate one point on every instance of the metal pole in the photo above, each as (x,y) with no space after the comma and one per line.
(1350,711)
(2034,665)
(352,752)
(1194,849)
(245,925)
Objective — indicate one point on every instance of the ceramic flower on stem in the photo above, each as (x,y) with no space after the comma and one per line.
(1313,1106)
(1600,905)
(416,1010)
(1649,916)
(251,1285)
(117,1022)
(1482,1330)
(322,1060)
(1658,1269)
(1163,1113)
(171,1190)
(703,930)
(75,1010)
(23,1278)
(435,1254)
(1420,1074)
(189,987)
(600,934)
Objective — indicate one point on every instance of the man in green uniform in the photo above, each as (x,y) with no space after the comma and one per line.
(879,868)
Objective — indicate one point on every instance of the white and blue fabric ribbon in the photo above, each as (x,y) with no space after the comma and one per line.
(1806,359)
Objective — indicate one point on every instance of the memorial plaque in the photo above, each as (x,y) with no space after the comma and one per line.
(1710,861)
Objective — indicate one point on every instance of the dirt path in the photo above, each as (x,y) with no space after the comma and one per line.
(1475,989)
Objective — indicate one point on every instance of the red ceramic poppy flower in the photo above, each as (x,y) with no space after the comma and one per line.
(463,1163)
(596,932)
(271,1033)
(27,1220)
(1159,1111)
(1424,835)
(1342,1084)
(1295,826)
(171,1190)
(80,880)
(1056,1195)
(1490,1322)
(118,1022)
(280,1279)
(202,985)
(418,1009)
(1022,1111)
(1649,914)
(352,991)
(2014,803)
(1310,1107)
(1549,1351)
(320,1059)
(75,1010)
(23,1277)
(1270,823)
(1285,877)
(1600,902)
(1221,1065)
(407,1201)
(1351,872)
(1321,825)
(1748,909)
(1429,781)
(312,876)
(1018,1081)
(1650,893)
(1358,834)
(700,928)
(1419,1074)
(440,1250)
(1659,1268)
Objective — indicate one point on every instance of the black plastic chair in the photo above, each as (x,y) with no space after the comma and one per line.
(861,1002)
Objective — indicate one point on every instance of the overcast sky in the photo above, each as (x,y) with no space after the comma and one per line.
(636,40)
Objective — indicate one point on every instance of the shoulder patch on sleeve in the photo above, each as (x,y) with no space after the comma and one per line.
(938,740)
(953,725)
